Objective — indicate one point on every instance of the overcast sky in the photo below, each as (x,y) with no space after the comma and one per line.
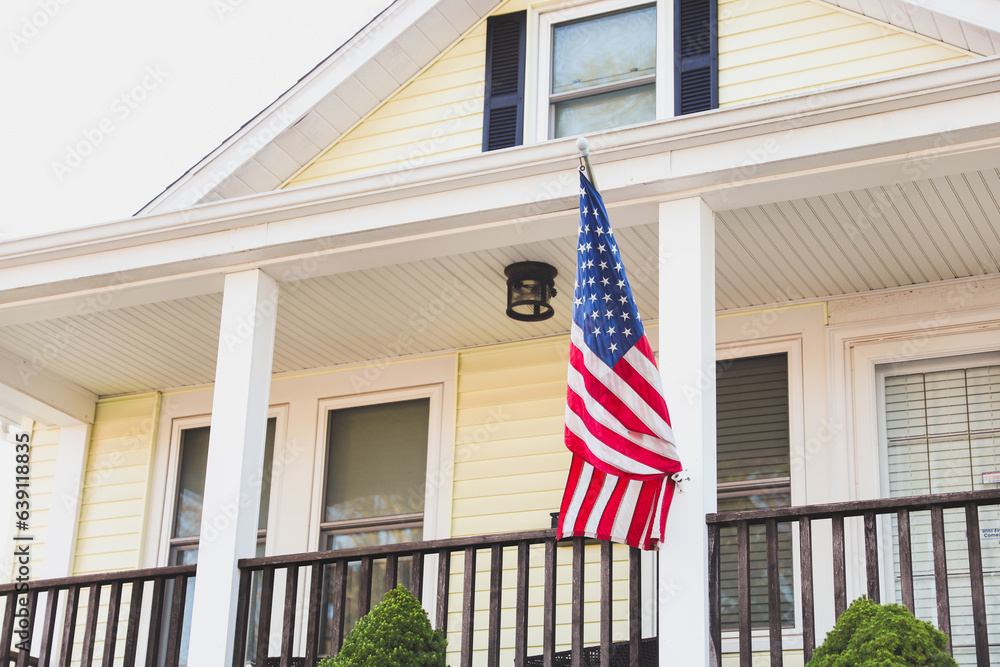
(107,102)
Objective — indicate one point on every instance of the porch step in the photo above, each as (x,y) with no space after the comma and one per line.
(648,656)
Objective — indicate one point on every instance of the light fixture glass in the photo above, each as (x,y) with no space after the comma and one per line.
(530,288)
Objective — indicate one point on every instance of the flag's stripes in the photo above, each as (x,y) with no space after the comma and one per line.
(627,385)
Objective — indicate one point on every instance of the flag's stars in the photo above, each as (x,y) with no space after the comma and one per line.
(618,266)
(594,314)
(609,314)
(590,263)
(603,264)
(606,297)
(597,331)
(576,283)
(583,192)
(611,330)
(585,210)
(588,245)
(577,301)
(601,248)
(613,347)
(621,284)
(590,280)
(597,214)
(614,248)
(605,282)
(593,297)
(627,332)
(582,248)
(599,230)
(623,300)
(625,315)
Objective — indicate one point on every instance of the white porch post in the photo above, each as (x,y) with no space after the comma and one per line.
(687,362)
(235,460)
(64,512)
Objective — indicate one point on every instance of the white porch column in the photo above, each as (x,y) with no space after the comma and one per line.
(67,496)
(235,460)
(687,362)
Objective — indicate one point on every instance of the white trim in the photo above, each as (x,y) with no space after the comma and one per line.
(65,501)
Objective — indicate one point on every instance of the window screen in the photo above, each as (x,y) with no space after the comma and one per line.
(942,432)
(753,473)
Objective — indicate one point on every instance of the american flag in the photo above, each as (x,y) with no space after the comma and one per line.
(617,425)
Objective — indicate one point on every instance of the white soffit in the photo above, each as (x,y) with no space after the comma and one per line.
(396,45)
(930,23)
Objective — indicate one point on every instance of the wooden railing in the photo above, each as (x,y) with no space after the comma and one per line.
(804,517)
(503,548)
(102,598)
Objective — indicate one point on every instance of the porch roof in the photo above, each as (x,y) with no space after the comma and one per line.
(868,187)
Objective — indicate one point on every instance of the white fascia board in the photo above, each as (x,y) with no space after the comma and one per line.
(941,112)
(35,392)
(291,106)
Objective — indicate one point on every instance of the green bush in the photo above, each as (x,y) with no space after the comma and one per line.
(396,633)
(874,635)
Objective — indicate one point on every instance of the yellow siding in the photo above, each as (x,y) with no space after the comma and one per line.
(112,511)
(772,48)
(44,446)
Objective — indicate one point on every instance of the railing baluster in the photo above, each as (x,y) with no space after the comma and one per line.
(111,626)
(49,627)
(496,588)
(773,593)
(391,571)
(941,572)
(90,625)
(313,623)
(365,592)
(905,559)
(635,605)
(288,616)
(743,590)
(444,580)
(24,656)
(468,606)
(176,627)
(339,602)
(549,606)
(808,607)
(7,633)
(264,615)
(521,610)
(976,581)
(839,566)
(155,620)
(714,599)
(242,617)
(606,558)
(576,611)
(417,575)
(134,619)
(871,557)
(69,626)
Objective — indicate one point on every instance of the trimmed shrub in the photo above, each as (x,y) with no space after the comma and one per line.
(396,633)
(873,635)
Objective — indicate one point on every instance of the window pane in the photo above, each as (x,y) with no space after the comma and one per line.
(191,485)
(376,460)
(752,418)
(604,50)
(597,112)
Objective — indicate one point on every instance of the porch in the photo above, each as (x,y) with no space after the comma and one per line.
(525,599)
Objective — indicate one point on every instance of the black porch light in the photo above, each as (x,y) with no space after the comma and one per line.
(530,287)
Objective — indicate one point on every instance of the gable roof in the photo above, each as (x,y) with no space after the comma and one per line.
(394,47)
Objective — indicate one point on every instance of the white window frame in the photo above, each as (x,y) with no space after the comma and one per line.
(543,17)
(169,500)
(791,346)
(432,496)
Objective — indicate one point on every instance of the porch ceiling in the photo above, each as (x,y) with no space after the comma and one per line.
(844,243)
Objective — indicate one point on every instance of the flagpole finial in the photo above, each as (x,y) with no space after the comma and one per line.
(583,146)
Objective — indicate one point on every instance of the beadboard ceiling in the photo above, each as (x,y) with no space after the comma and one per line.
(844,243)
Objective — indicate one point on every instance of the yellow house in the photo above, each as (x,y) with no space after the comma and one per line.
(290,382)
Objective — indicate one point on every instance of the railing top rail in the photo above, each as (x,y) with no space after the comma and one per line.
(859,507)
(125,576)
(399,549)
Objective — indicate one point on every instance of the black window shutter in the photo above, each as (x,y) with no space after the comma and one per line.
(696,56)
(503,113)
